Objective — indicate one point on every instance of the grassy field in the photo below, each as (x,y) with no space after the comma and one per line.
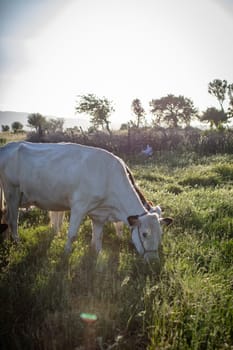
(11,137)
(188,304)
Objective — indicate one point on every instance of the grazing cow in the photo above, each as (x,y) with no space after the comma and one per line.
(85,180)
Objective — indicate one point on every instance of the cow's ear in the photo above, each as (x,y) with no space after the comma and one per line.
(166,221)
(133,220)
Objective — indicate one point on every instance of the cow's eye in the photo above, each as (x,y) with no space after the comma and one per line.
(144,234)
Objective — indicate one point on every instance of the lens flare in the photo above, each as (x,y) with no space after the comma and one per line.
(88,318)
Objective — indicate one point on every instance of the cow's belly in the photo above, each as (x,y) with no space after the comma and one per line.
(103,214)
(57,203)
(51,206)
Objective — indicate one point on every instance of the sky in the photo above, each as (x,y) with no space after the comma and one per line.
(53,51)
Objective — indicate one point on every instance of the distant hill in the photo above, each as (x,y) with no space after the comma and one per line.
(9,117)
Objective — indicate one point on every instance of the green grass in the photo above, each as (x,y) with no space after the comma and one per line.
(188,304)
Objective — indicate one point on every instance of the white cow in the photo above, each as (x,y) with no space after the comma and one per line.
(85,180)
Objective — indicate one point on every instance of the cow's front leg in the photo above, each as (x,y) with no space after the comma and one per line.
(75,221)
(97,235)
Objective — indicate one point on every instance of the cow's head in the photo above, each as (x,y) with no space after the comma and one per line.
(146,233)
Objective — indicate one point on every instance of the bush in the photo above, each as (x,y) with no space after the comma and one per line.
(132,141)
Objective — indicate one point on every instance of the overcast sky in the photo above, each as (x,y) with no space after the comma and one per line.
(52,51)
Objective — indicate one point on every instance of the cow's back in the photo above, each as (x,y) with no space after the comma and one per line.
(58,161)
(55,173)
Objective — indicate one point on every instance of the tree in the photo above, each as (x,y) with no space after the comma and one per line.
(99,109)
(173,110)
(37,121)
(230,95)
(54,125)
(214,116)
(139,111)
(218,88)
(124,126)
(5,128)
(16,127)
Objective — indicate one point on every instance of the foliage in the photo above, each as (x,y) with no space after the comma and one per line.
(173,110)
(99,109)
(37,121)
(214,117)
(3,141)
(218,88)
(188,304)
(54,125)
(45,126)
(139,111)
(230,95)
(130,142)
(5,128)
(124,126)
(33,217)
(17,127)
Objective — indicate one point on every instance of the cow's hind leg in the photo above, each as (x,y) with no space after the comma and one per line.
(56,220)
(97,235)
(12,212)
(119,227)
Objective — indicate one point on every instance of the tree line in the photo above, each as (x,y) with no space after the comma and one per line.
(168,111)
(38,122)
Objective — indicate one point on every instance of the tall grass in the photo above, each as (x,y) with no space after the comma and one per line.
(187,304)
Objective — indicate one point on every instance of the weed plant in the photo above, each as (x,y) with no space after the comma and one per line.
(186,303)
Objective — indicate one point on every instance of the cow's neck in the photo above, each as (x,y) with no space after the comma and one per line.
(128,203)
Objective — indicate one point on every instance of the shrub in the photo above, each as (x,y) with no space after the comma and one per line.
(131,142)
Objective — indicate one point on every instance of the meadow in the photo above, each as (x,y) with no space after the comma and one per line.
(187,303)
